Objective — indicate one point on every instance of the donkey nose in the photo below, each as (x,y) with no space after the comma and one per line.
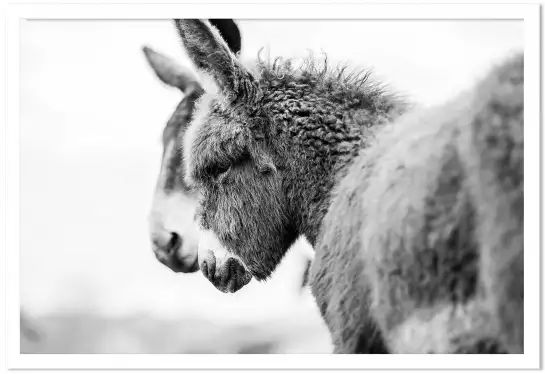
(166,244)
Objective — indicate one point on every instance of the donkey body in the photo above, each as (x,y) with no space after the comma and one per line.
(428,255)
(416,219)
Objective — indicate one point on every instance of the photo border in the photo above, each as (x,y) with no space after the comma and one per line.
(528,13)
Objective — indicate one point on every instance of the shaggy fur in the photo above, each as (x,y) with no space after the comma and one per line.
(415,219)
(433,230)
(266,152)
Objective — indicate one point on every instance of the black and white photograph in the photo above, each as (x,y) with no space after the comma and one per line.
(267,185)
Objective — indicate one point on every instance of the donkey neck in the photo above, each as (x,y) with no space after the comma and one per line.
(319,124)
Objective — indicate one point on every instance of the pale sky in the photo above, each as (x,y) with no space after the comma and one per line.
(92,113)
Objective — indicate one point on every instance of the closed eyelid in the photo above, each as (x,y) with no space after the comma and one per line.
(215,170)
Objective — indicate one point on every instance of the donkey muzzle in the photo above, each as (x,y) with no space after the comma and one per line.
(226,272)
(172,250)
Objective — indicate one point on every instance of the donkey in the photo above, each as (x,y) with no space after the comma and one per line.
(430,257)
(176,247)
(173,232)
(415,216)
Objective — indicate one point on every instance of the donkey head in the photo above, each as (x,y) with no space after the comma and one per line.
(232,160)
(174,233)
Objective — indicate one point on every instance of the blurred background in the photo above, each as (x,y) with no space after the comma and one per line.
(92,112)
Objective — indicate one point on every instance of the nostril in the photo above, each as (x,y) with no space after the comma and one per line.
(208,268)
(175,242)
(167,243)
(204,268)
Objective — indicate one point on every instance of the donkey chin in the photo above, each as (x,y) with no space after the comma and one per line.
(223,269)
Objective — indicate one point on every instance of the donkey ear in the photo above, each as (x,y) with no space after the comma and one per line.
(230,33)
(211,55)
(169,72)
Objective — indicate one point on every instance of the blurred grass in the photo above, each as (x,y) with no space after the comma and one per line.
(65,333)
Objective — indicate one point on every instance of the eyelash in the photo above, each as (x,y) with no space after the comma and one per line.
(219,170)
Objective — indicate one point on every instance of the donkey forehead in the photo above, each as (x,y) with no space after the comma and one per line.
(211,133)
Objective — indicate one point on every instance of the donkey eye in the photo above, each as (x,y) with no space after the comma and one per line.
(218,170)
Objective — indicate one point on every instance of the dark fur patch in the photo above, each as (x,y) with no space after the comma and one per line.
(230,33)
(481,346)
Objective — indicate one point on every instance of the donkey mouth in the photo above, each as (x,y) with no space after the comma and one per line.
(228,277)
